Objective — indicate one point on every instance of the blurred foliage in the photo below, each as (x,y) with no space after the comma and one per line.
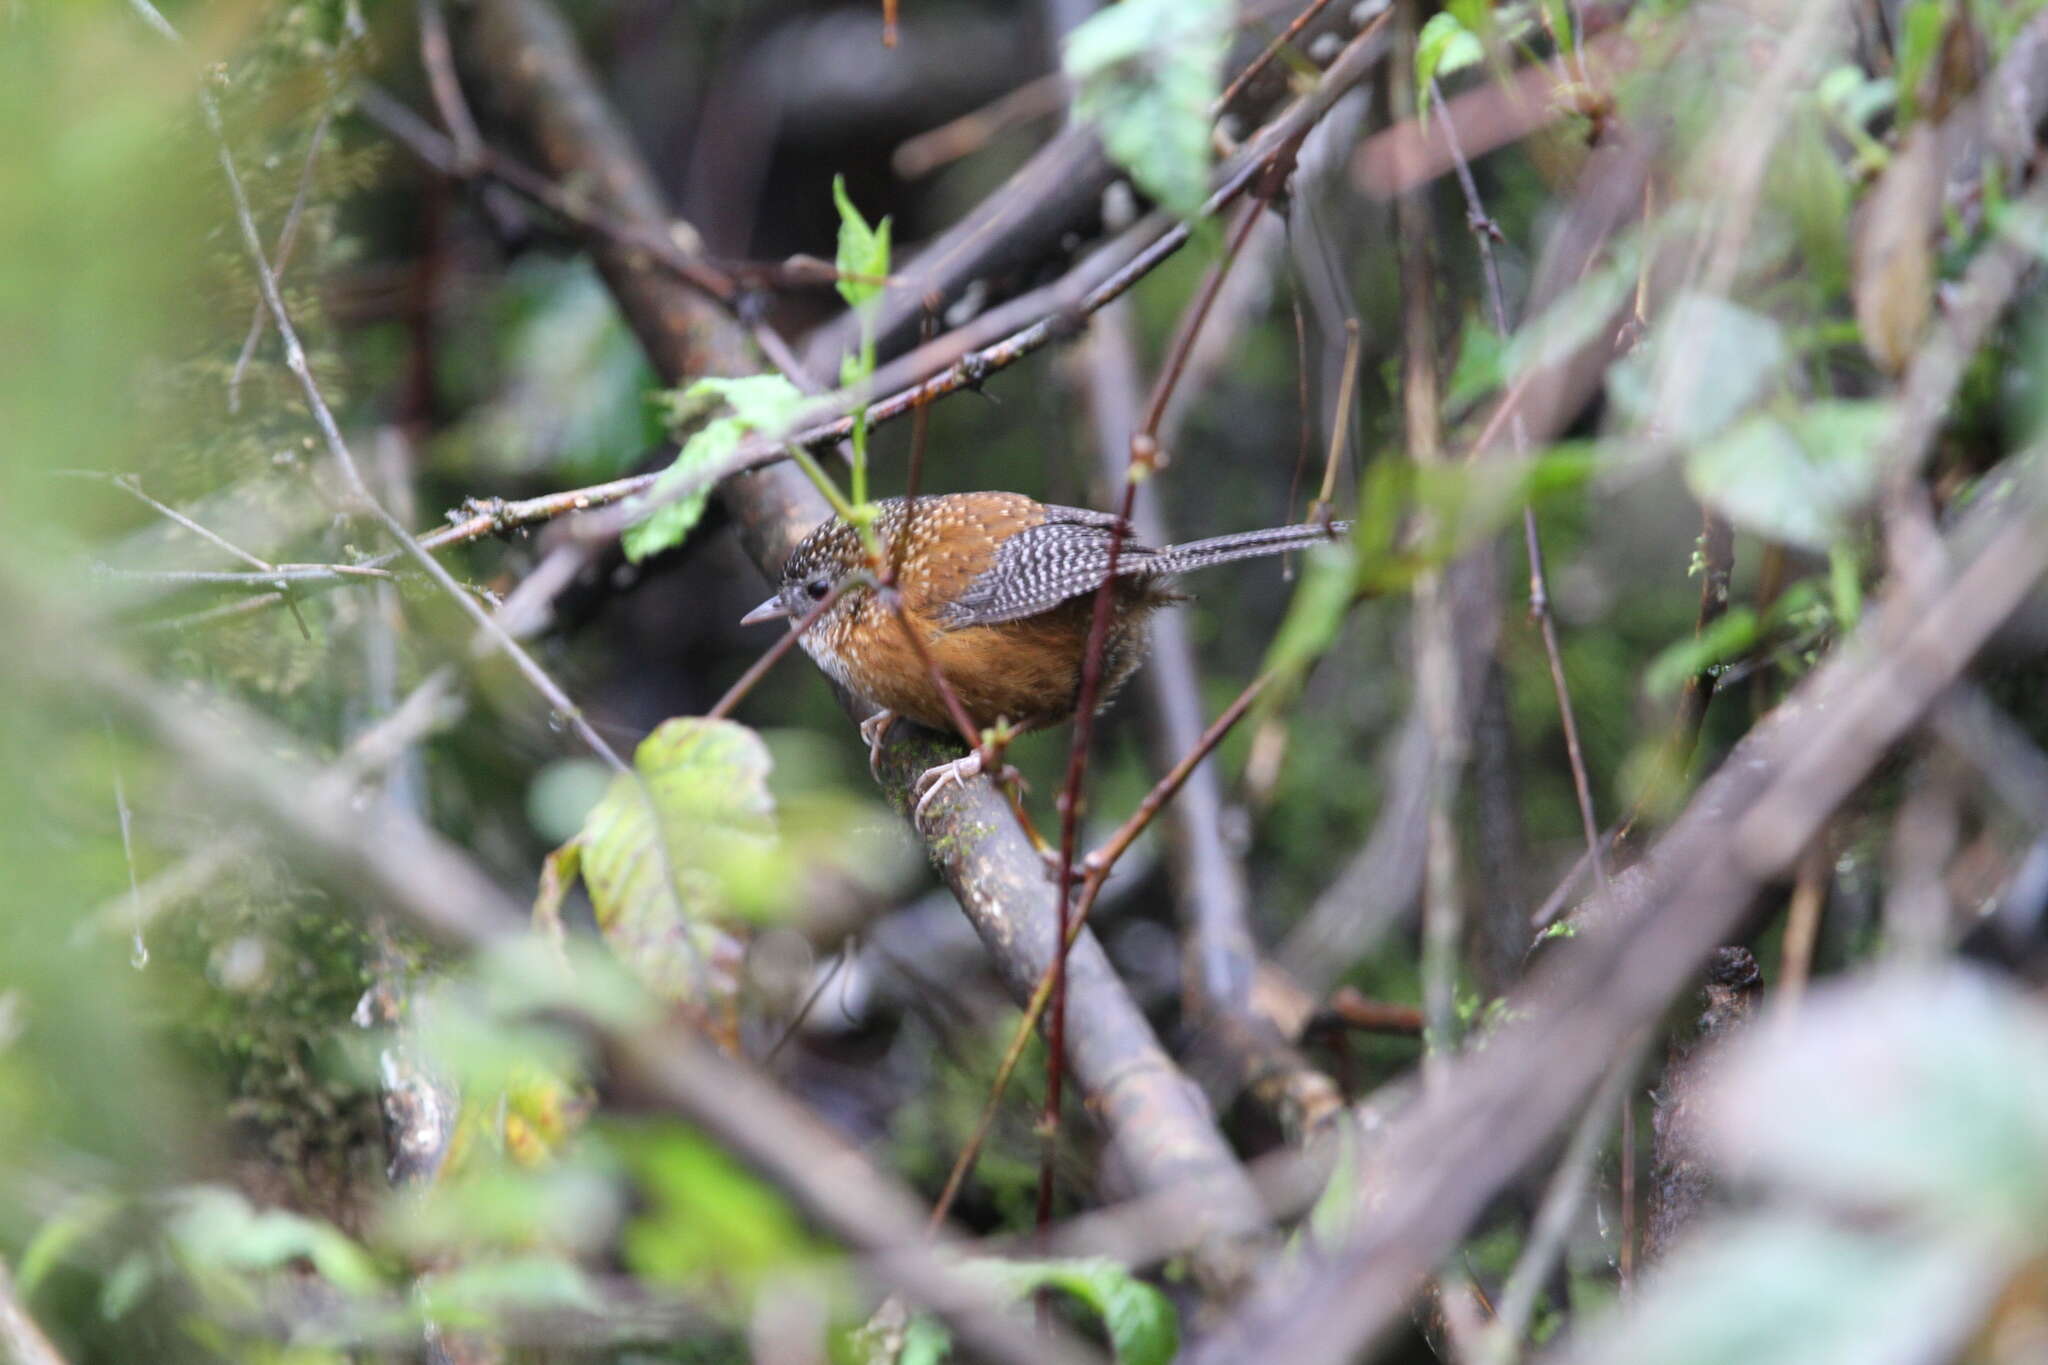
(189,1127)
(1145,76)
(1901,1118)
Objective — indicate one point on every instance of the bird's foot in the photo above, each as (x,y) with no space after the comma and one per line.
(874,729)
(934,780)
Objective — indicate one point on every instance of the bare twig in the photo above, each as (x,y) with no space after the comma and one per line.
(1267,54)
(337,449)
(1437,684)
(439,60)
(921,155)
(1144,459)
(1554,1216)
(444,155)
(287,239)
(275,576)
(154,17)
(138,954)
(1483,231)
(133,487)
(1802,927)
(759,668)
(1348,1009)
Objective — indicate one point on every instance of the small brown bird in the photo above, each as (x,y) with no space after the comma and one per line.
(1002,589)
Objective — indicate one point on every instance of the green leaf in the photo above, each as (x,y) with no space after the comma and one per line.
(217,1228)
(706,1215)
(1140,1321)
(125,1285)
(1482,356)
(1335,1213)
(1444,45)
(863,250)
(669,845)
(1920,30)
(1559,14)
(925,1341)
(78,1221)
(1708,361)
(1145,74)
(477,1293)
(1574,318)
(759,403)
(1727,638)
(1794,479)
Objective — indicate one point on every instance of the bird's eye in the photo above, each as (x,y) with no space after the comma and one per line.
(817,588)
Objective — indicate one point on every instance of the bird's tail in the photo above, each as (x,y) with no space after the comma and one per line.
(1274,540)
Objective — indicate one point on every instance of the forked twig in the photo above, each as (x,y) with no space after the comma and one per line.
(287,239)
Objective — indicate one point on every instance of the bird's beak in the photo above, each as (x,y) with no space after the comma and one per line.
(771,610)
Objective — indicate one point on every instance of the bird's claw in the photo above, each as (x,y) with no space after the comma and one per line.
(874,730)
(934,780)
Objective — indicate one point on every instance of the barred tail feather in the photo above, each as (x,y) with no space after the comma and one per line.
(1274,540)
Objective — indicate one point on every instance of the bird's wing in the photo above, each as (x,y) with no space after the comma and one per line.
(1042,566)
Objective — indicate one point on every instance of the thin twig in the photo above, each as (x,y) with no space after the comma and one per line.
(438,151)
(1438,687)
(153,16)
(287,239)
(337,448)
(810,1003)
(133,487)
(1483,231)
(1271,50)
(272,576)
(772,655)
(1098,866)
(1143,461)
(138,956)
(1802,928)
(1555,1215)
(446,86)
(1347,1009)
(921,155)
(1340,426)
